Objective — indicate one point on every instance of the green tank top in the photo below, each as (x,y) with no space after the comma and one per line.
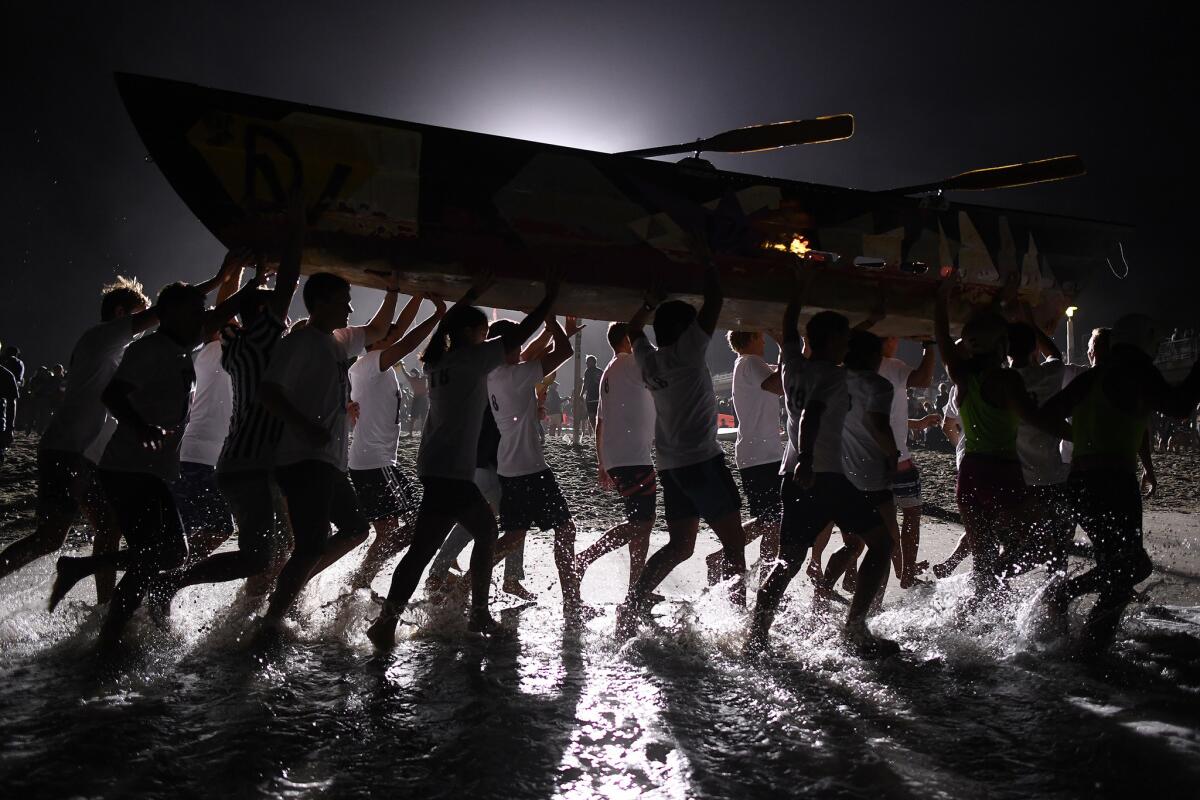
(1099,428)
(988,430)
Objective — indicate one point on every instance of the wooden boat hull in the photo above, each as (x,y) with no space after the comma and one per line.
(437,205)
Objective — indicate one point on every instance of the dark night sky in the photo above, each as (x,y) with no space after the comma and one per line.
(936,88)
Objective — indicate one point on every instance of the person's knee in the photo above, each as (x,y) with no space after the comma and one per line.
(680,549)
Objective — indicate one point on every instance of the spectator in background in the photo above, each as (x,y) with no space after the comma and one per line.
(10,359)
(9,393)
(591,390)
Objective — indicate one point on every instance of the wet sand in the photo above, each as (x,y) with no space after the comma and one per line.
(972,708)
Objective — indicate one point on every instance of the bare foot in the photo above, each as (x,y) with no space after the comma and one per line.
(382,631)
(942,571)
(481,622)
(69,573)
(867,644)
(517,590)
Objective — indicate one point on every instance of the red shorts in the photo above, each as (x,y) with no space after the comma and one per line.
(989,485)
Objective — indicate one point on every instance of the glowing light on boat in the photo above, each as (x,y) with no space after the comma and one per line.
(797,247)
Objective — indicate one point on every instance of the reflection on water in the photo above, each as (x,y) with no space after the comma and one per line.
(971,709)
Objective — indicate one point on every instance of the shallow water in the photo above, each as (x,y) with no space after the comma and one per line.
(970,709)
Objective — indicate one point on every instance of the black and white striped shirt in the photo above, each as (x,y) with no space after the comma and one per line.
(253,431)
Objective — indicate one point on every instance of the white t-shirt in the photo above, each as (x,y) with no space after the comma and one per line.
(93,361)
(377,432)
(311,367)
(457,401)
(950,412)
(757,412)
(212,406)
(805,382)
(627,413)
(162,376)
(1042,463)
(862,458)
(685,426)
(897,372)
(512,394)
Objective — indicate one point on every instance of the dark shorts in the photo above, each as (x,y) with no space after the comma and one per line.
(1107,504)
(592,407)
(532,501)
(832,498)
(637,487)
(420,405)
(200,502)
(448,497)
(906,488)
(704,490)
(148,518)
(760,484)
(66,482)
(250,497)
(319,494)
(386,493)
(989,486)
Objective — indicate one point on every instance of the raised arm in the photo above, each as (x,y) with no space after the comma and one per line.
(941,329)
(393,354)
(378,327)
(653,297)
(562,347)
(407,314)
(288,275)
(773,383)
(539,346)
(518,335)
(216,318)
(1045,345)
(801,281)
(922,376)
(714,297)
(235,260)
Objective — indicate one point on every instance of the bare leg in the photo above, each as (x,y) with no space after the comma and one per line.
(635,534)
(815,573)
(910,540)
(639,548)
(961,551)
(49,536)
(846,556)
(106,539)
(733,542)
(770,593)
(569,576)
(428,534)
(679,548)
(872,573)
(390,538)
